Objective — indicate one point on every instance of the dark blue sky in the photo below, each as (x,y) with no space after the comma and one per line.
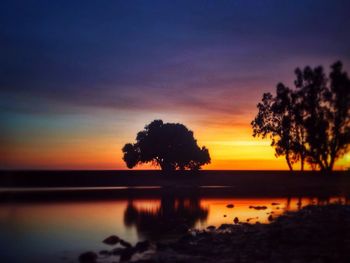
(196,60)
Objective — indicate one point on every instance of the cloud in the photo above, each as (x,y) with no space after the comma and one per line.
(172,56)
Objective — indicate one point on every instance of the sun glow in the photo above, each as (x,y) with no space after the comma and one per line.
(231,147)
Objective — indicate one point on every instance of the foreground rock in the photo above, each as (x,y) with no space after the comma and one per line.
(111,240)
(313,234)
(88,257)
(258,207)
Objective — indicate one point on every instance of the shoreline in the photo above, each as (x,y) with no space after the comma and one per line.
(312,234)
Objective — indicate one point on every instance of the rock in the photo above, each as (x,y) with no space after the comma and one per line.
(117,251)
(225,215)
(224,226)
(142,246)
(162,246)
(111,240)
(270,218)
(104,252)
(275,203)
(88,257)
(188,238)
(192,233)
(236,220)
(230,206)
(211,228)
(125,243)
(258,207)
(126,254)
(182,228)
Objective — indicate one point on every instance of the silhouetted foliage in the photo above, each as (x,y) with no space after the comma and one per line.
(169,145)
(310,123)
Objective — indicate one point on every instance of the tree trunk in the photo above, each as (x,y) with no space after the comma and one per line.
(320,164)
(289,163)
(162,166)
(302,160)
(328,170)
(165,166)
(331,164)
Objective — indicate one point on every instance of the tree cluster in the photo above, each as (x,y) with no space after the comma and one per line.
(168,145)
(310,123)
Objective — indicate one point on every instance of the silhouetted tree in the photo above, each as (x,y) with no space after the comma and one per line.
(325,106)
(275,120)
(310,123)
(169,145)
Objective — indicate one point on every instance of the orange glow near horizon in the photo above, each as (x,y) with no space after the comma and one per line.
(231,147)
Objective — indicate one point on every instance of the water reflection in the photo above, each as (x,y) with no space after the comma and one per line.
(244,208)
(173,216)
(56,230)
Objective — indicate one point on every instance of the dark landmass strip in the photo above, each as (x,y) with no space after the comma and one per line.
(314,234)
(238,183)
(92,178)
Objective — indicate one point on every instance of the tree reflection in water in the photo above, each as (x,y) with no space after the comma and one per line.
(174,216)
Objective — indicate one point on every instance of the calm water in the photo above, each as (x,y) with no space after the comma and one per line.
(60,231)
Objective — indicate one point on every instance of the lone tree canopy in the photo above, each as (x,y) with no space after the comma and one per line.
(311,122)
(169,145)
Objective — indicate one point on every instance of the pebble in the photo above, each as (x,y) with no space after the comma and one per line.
(111,240)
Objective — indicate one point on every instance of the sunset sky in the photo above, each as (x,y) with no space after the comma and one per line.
(79,79)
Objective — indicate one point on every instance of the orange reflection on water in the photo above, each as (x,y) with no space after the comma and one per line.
(147,204)
(243,209)
(78,226)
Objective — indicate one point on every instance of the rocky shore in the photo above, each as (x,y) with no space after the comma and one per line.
(313,234)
